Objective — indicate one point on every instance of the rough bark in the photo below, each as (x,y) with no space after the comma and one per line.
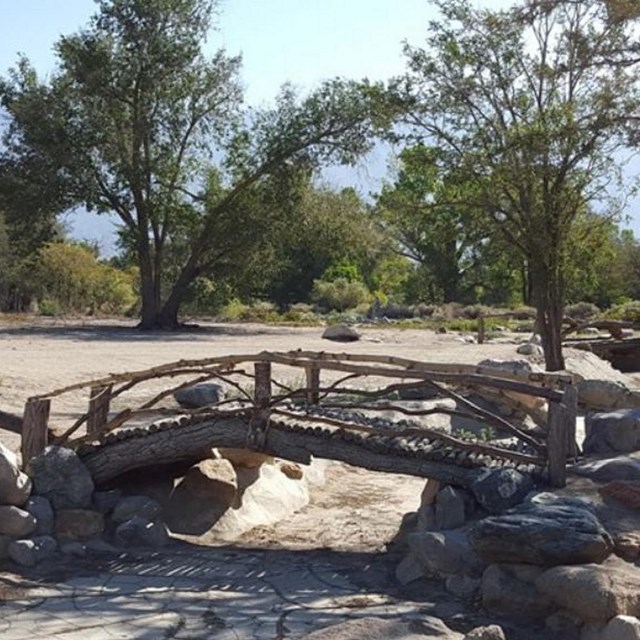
(194,441)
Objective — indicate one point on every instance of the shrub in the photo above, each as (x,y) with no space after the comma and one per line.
(339,295)
(582,310)
(629,312)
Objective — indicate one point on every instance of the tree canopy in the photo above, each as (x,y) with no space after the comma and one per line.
(138,121)
(529,105)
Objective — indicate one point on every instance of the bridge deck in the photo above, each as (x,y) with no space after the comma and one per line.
(168,442)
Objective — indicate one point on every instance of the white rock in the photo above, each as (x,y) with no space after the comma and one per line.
(15,486)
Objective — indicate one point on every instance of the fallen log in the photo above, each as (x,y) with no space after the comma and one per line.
(192,442)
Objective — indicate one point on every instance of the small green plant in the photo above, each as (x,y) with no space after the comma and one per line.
(485,434)
(628,311)
(340,294)
(50,308)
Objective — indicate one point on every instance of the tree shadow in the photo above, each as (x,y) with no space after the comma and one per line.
(127,333)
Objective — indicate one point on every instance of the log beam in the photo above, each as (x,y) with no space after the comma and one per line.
(188,442)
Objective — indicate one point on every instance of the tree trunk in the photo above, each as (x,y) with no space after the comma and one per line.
(149,289)
(549,302)
(171,307)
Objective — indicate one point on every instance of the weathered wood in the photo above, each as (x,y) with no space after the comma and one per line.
(189,442)
(481,329)
(261,413)
(99,401)
(313,384)
(557,445)
(10,422)
(35,434)
(424,434)
(570,408)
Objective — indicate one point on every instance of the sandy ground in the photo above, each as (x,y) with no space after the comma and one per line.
(355,508)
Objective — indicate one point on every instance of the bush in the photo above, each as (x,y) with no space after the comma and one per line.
(49,308)
(301,312)
(629,312)
(69,278)
(339,295)
(397,311)
(582,311)
(524,313)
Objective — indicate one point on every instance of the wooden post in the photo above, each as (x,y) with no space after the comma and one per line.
(262,398)
(570,406)
(313,385)
(99,400)
(557,445)
(35,433)
(481,329)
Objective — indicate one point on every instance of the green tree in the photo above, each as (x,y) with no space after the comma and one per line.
(424,210)
(530,105)
(329,230)
(136,118)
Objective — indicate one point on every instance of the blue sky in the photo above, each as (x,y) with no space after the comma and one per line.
(301,41)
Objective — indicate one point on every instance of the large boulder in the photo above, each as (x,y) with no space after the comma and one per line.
(29,552)
(78,524)
(5,541)
(510,590)
(131,506)
(40,509)
(542,534)
(204,394)
(500,489)
(445,552)
(618,628)
(604,395)
(341,333)
(381,629)
(142,532)
(490,632)
(613,432)
(619,468)
(207,490)
(15,486)
(595,593)
(59,475)
(244,458)
(515,367)
(449,509)
(16,522)
(628,493)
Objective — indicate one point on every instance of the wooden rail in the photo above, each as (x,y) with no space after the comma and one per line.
(384,377)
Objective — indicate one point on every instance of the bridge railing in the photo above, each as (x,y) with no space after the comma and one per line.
(264,392)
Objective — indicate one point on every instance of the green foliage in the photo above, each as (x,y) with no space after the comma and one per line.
(627,311)
(69,278)
(140,122)
(582,311)
(339,295)
(526,108)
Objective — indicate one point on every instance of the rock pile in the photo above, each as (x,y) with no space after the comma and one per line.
(55,508)
(548,558)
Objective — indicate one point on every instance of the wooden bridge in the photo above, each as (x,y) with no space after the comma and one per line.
(299,404)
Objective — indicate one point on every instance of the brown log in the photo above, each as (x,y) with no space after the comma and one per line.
(557,445)
(261,413)
(188,443)
(481,330)
(35,434)
(313,384)
(99,401)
